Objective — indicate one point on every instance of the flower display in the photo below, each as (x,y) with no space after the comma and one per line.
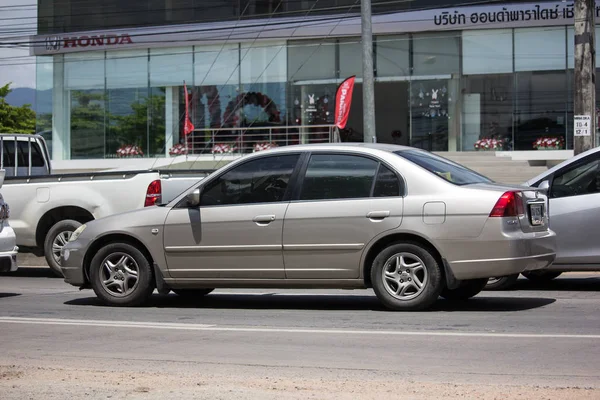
(130,151)
(224,148)
(264,146)
(549,143)
(178,150)
(488,144)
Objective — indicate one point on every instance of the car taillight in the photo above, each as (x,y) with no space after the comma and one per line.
(508,205)
(153,193)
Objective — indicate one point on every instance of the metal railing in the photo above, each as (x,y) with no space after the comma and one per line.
(16,152)
(247,140)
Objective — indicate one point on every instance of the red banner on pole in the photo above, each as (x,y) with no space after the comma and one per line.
(343,100)
(188,127)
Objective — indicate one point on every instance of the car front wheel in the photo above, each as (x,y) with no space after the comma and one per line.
(58,236)
(121,275)
(406,277)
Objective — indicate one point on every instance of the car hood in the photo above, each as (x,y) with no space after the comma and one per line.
(127,222)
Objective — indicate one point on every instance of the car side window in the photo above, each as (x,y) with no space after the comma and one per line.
(338,176)
(581,179)
(36,155)
(264,180)
(387,183)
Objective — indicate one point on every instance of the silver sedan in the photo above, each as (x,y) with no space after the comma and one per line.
(409,224)
(573,188)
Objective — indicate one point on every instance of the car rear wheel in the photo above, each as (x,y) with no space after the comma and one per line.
(121,275)
(501,282)
(192,293)
(466,290)
(406,277)
(58,236)
(541,276)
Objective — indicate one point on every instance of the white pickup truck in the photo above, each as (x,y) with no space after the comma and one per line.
(47,208)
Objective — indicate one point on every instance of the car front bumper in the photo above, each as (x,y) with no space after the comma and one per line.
(495,254)
(71,263)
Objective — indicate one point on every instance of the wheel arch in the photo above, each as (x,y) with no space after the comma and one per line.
(399,237)
(51,217)
(113,238)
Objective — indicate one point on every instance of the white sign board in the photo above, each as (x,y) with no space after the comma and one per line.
(583,125)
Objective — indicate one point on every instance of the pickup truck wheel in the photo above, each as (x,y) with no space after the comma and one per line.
(406,277)
(56,239)
(192,293)
(541,276)
(466,290)
(121,275)
(501,282)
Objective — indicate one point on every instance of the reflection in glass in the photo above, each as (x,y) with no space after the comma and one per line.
(87,124)
(487,109)
(541,101)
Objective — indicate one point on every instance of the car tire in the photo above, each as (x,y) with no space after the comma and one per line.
(466,290)
(397,272)
(56,238)
(502,283)
(192,293)
(541,276)
(121,275)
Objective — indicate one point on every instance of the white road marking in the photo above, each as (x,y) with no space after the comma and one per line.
(204,327)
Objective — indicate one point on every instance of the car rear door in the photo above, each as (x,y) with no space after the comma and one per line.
(575,211)
(342,202)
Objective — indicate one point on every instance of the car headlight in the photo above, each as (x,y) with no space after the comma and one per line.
(77,232)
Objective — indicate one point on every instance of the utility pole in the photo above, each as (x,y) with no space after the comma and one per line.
(585,76)
(369,133)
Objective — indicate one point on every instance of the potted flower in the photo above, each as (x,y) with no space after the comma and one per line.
(264,146)
(488,144)
(224,148)
(549,143)
(129,151)
(178,150)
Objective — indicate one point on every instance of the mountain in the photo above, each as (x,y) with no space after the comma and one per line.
(20,96)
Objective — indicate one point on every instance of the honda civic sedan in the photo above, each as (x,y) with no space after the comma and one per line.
(403,221)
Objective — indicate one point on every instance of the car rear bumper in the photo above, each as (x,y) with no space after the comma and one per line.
(500,254)
(8,248)
(8,260)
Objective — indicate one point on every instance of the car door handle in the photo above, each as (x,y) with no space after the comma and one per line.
(378,214)
(263,219)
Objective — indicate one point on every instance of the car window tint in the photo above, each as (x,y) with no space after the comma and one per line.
(387,183)
(36,155)
(580,179)
(264,180)
(442,167)
(336,176)
(8,150)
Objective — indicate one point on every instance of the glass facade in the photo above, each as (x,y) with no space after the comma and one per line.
(441,91)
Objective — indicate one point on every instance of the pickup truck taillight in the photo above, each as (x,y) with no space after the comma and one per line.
(153,194)
(509,204)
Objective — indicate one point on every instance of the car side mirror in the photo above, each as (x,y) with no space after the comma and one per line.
(544,186)
(193,198)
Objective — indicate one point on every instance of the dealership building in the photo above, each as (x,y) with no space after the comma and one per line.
(113,76)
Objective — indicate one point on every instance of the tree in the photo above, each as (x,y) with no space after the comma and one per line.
(15,119)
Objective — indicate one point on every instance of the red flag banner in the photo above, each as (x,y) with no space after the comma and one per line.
(343,100)
(188,127)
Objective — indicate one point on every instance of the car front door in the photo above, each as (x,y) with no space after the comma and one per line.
(575,211)
(237,230)
(343,201)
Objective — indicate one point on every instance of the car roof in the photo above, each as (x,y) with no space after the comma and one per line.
(343,146)
(562,165)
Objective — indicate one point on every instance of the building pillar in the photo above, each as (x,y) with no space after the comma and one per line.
(61,127)
(454,113)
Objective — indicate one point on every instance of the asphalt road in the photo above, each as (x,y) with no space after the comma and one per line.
(55,339)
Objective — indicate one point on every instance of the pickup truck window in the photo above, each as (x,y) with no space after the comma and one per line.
(23,154)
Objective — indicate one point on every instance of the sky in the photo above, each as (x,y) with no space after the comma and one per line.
(14,21)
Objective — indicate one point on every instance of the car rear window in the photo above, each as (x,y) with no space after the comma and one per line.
(444,168)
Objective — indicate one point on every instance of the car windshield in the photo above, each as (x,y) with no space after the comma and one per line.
(446,169)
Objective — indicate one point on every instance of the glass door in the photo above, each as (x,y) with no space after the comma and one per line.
(430,101)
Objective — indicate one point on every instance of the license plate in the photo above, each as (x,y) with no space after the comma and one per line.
(537,214)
